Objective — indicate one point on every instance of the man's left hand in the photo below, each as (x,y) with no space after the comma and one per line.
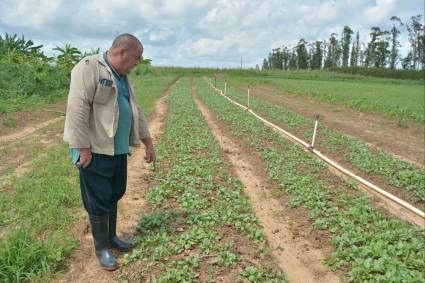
(150,154)
(149,151)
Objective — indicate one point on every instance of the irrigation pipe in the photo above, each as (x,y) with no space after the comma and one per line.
(366,183)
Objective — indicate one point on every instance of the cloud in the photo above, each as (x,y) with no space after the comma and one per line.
(382,10)
(202,32)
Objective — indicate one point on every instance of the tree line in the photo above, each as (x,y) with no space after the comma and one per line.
(16,49)
(346,51)
(27,75)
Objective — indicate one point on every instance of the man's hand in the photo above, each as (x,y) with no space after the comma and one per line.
(149,151)
(150,154)
(85,157)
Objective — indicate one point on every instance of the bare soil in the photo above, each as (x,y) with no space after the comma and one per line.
(19,158)
(339,156)
(375,129)
(84,266)
(300,252)
(20,124)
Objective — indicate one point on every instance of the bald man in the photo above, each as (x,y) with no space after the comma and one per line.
(102,122)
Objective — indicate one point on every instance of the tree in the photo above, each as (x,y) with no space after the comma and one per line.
(286,56)
(265,65)
(302,54)
(377,48)
(362,55)
(316,60)
(13,44)
(382,51)
(91,52)
(333,52)
(346,41)
(146,61)
(406,62)
(293,60)
(355,52)
(276,59)
(69,55)
(395,44)
(416,39)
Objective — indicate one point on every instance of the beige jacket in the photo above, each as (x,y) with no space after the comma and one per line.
(92,110)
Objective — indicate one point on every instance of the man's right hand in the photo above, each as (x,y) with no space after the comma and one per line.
(85,157)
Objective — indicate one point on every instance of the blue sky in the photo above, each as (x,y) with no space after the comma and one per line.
(198,32)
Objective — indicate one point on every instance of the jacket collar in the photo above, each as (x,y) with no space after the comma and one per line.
(102,62)
(109,67)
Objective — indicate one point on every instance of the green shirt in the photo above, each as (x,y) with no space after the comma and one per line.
(122,136)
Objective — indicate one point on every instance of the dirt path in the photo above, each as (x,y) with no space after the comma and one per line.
(12,124)
(27,131)
(84,266)
(301,259)
(376,130)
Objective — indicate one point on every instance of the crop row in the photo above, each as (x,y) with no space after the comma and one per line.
(395,98)
(201,226)
(368,243)
(400,174)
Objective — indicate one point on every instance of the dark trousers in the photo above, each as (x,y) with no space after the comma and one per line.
(103,182)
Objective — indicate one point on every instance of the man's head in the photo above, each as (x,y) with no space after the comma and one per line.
(125,53)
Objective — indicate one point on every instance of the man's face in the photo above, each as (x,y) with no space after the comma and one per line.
(131,58)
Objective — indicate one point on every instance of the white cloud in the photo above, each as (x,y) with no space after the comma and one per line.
(201,33)
(211,47)
(382,10)
(327,11)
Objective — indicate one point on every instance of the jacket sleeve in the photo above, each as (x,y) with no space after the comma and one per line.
(80,97)
(143,125)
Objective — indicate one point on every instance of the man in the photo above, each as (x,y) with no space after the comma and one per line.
(102,122)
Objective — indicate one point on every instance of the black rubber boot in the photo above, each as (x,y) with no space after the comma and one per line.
(99,226)
(114,241)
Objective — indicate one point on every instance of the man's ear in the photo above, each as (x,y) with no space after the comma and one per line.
(121,51)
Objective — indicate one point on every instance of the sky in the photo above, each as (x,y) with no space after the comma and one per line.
(199,33)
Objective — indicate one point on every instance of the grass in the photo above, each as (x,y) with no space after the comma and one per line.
(368,244)
(37,208)
(35,215)
(30,84)
(149,86)
(403,99)
(12,102)
(201,225)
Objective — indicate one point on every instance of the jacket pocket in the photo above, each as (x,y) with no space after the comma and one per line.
(103,94)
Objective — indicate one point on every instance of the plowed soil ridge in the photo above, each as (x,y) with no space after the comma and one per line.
(298,257)
(378,131)
(27,131)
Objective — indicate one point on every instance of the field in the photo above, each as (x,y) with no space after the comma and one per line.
(403,99)
(229,199)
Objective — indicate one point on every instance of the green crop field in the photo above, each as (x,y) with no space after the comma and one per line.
(200,224)
(396,98)
(369,244)
(373,163)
